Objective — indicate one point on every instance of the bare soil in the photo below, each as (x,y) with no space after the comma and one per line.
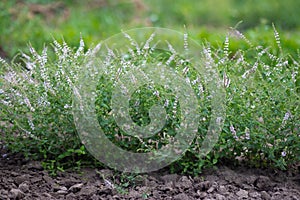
(21,179)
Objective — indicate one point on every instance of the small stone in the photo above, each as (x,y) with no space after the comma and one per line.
(242,193)
(56,187)
(251,179)
(202,195)
(265,195)
(14,174)
(220,197)
(211,189)
(24,187)
(295,197)
(222,189)
(184,183)
(63,188)
(254,195)
(62,192)
(21,179)
(246,187)
(16,194)
(35,180)
(75,188)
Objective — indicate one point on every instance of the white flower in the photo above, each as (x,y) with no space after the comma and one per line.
(156,93)
(166,103)
(185,70)
(185,42)
(287,116)
(195,81)
(31,124)
(247,134)
(218,120)
(226,80)
(232,130)
(67,106)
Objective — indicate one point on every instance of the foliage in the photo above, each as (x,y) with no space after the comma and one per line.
(253,12)
(224,13)
(262,123)
(36,101)
(39,20)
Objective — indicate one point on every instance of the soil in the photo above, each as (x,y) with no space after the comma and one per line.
(22,179)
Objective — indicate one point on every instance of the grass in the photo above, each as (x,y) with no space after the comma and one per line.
(96,20)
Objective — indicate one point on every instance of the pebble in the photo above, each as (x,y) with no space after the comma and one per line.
(24,187)
(295,197)
(16,194)
(21,179)
(254,194)
(265,195)
(211,189)
(242,193)
(220,197)
(75,188)
(14,174)
(202,194)
(62,192)
(222,189)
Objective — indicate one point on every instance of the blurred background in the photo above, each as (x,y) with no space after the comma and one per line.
(39,21)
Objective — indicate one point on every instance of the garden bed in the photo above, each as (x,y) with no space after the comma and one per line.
(21,179)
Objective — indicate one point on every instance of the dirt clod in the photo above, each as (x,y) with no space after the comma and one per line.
(16,194)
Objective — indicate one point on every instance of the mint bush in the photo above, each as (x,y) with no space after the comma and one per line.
(262,125)
(36,102)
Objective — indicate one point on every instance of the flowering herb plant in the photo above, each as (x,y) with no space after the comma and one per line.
(262,125)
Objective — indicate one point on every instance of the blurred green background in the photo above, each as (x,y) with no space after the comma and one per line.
(38,21)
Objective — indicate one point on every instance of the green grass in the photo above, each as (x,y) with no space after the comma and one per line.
(97,20)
